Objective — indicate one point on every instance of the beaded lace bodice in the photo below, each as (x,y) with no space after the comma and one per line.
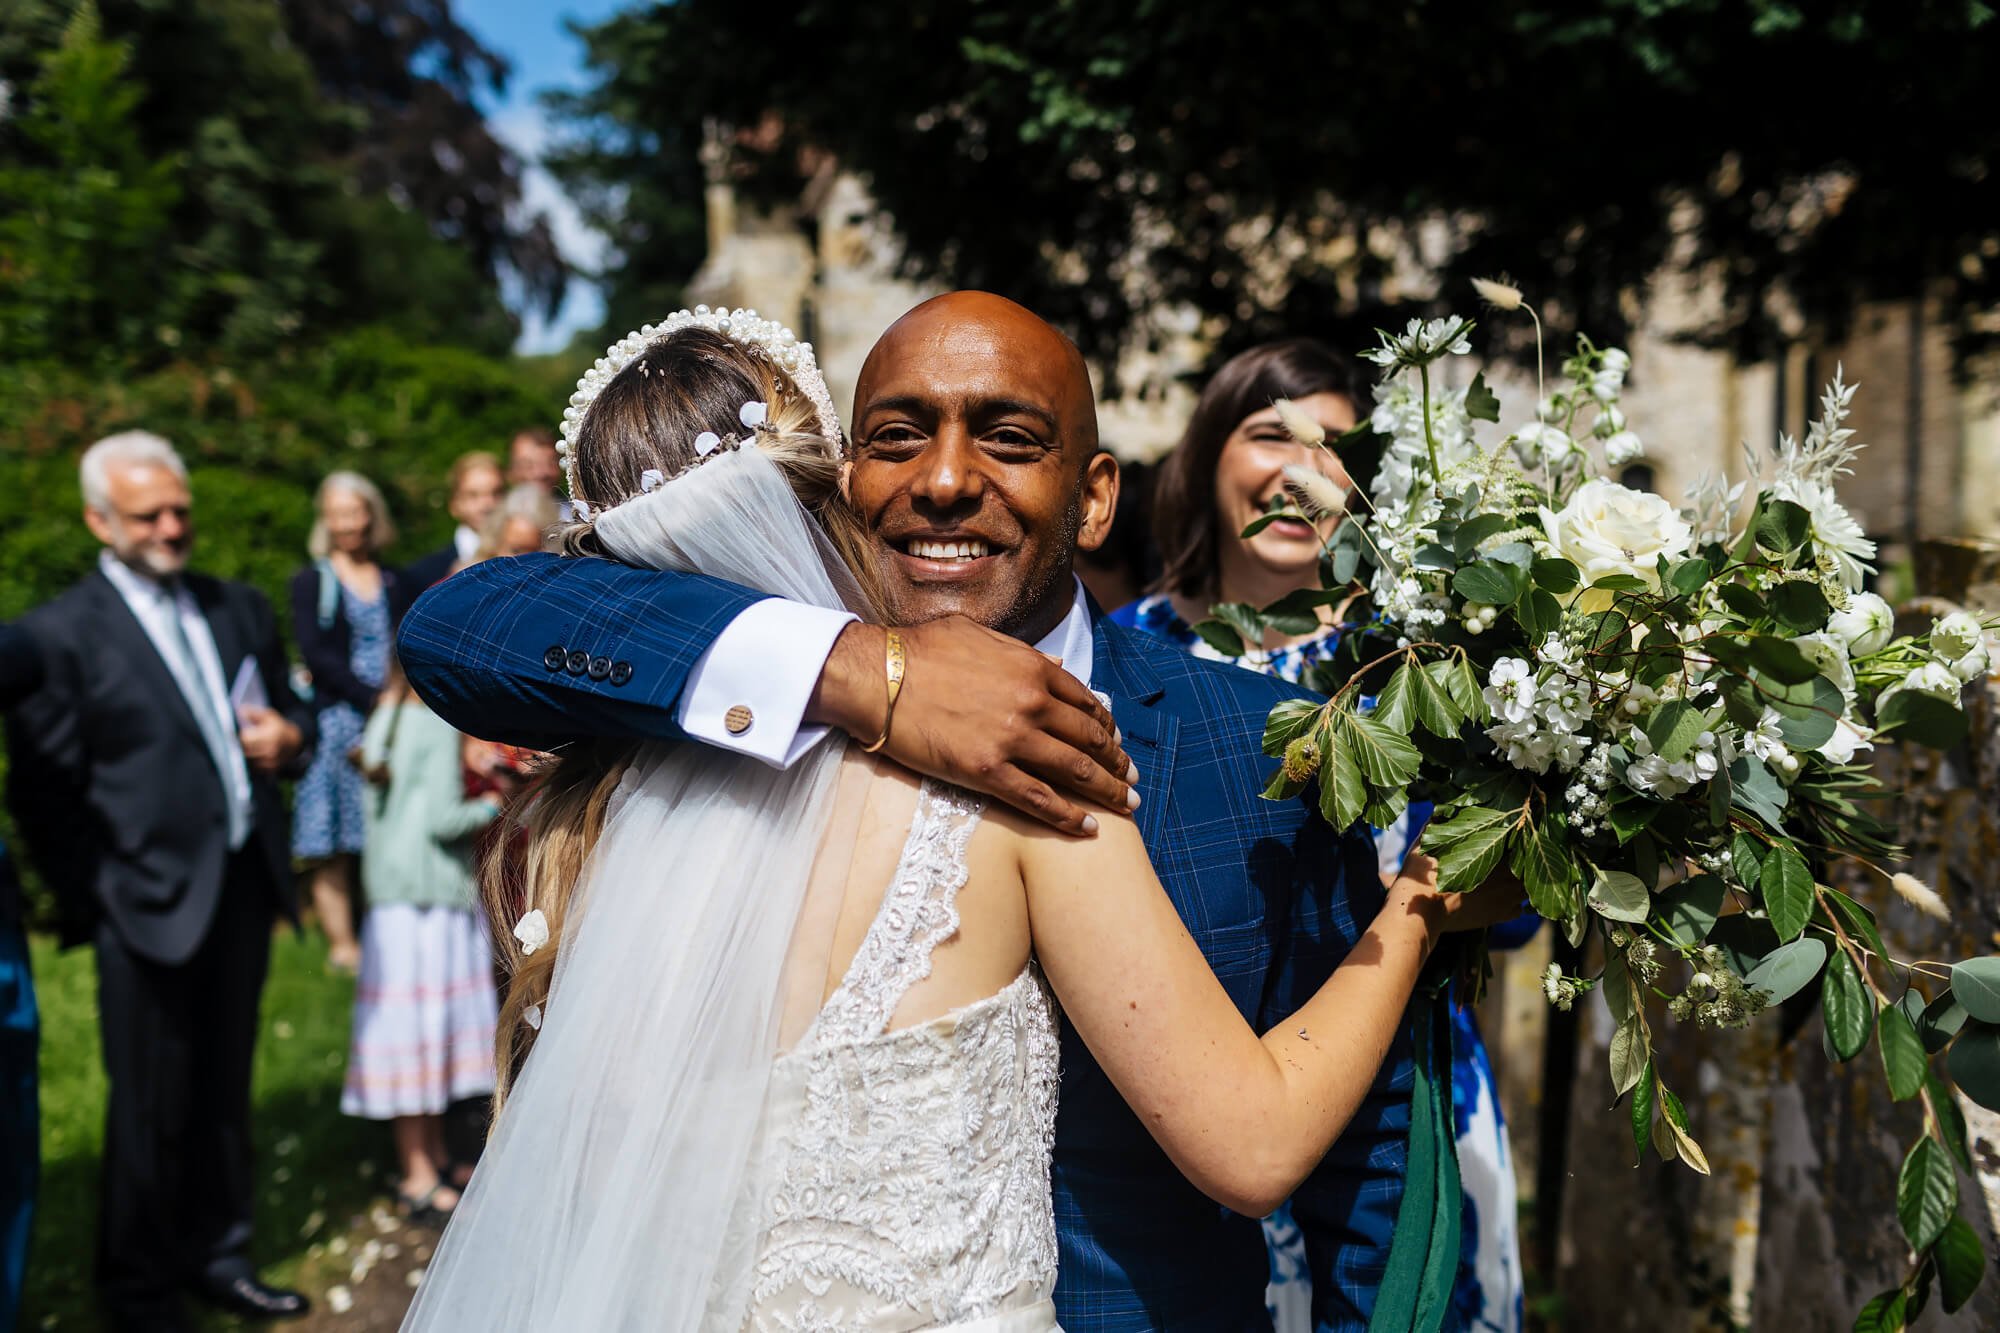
(907,1172)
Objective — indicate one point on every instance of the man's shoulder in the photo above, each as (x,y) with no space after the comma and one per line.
(208,589)
(73,606)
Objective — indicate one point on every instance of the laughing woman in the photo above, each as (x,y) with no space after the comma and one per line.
(1223,473)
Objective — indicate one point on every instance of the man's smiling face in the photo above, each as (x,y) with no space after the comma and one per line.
(976,466)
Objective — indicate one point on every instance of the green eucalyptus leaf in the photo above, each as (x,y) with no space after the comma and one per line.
(1746,604)
(1902,1053)
(1343,563)
(1974,1062)
(1787,886)
(1781,526)
(1745,942)
(1961,1263)
(1692,907)
(1620,896)
(1540,614)
(1788,969)
(1976,983)
(1943,1017)
(1433,556)
(1926,719)
(1476,530)
(1844,1004)
(1489,582)
(1781,659)
(1557,575)
(1800,606)
(1926,1193)
(1690,576)
(1752,788)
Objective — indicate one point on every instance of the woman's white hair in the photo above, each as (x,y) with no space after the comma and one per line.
(381,528)
(134,448)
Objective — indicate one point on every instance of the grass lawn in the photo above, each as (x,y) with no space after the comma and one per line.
(319,1170)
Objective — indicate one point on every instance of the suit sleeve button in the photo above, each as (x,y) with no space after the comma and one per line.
(600,667)
(554,658)
(621,672)
(579,662)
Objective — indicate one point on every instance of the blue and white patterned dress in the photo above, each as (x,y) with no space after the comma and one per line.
(326,816)
(1488,1296)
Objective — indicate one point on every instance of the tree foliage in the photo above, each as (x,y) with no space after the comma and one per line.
(1098,160)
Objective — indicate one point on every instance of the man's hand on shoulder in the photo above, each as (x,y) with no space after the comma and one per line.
(985,712)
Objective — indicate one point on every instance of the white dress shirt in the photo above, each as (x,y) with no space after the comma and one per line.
(465,541)
(767,661)
(154,605)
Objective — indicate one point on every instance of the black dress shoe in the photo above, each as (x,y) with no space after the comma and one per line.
(247,1297)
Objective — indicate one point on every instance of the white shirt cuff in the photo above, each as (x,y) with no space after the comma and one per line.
(748,692)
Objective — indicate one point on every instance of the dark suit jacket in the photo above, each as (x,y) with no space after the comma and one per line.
(20,676)
(111,784)
(426,570)
(1274,897)
(327,652)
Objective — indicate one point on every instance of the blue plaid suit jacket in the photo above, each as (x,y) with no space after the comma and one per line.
(1274,897)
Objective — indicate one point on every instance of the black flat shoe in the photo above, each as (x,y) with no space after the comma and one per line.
(251,1299)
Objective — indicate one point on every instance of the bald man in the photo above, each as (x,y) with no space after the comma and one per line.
(975,465)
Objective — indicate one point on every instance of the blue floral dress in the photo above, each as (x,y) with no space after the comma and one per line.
(1488,1296)
(327,812)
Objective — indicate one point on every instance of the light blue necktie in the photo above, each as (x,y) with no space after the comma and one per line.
(214,729)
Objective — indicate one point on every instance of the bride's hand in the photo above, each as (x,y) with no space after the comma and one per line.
(1500,899)
(985,712)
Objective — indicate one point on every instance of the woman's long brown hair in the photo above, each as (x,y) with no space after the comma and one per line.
(647,418)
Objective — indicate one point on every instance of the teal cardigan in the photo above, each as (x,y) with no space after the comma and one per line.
(420,827)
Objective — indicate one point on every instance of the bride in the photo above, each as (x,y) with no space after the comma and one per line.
(780,1050)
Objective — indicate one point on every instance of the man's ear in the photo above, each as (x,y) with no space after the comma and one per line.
(100,526)
(1100,501)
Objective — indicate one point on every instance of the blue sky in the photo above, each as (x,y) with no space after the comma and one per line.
(533,37)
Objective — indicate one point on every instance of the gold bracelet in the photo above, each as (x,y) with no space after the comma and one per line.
(894,667)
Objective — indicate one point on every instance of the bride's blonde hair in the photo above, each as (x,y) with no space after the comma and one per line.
(646,419)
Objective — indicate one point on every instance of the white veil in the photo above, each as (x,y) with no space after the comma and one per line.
(610,1197)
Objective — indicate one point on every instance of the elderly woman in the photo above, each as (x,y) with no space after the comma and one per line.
(521,524)
(1219,478)
(344,608)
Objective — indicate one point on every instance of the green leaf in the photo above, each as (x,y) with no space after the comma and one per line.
(1476,530)
(1387,759)
(1745,603)
(1628,817)
(1745,942)
(1221,637)
(1800,606)
(1883,1314)
(1943,1017)
(1556,575)
(1642,1111)
(1857,919)
(1951,1120)
(1781,660)
(1630,1057)
(1394,707)
(1282,788)
(1430,696)
(1926,1193)
(1540,614)
(1976,983)
(1542,860)
(1519,554)
(1692,907)
(1807,725)
(1788,890)
(1462,683)
(1746,858)
(1489,582)
(1902,1054)
(1690,576)
(1616,984)
(1781,525)
(1432,556)
(1480,402)
(1262,521)
(1288,721)
(1467,846)
(1974,1063)
(1752,788)
(1621,583)
(1961,1263)
(1845,1005)
(1620,896)
(1788,969)
(1924,718)
(1342,793)
(1341,565)
(1673,729)
(1677,1125)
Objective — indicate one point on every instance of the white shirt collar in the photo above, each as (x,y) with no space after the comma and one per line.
(130,583)
(466,542)
(1071,640)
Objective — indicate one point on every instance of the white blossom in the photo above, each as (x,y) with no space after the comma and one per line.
(1865,625)
(1622,448)
(1510,691)
(1956,635)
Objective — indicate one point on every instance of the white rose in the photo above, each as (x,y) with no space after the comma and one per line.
(1607,529)
(1933,678)
(1956,635)
(1866,624)
(1829,654)
(532,931)
(1622,448)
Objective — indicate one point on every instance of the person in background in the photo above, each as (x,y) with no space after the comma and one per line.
(143,779)
(20,1131)
(522,523)
(345,605)
(477,484)
(1122,568)
(1220,477)
(425,1007)
(532,461)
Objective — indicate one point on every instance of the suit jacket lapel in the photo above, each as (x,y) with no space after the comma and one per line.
(1151,736)
(230,645)
(126,639)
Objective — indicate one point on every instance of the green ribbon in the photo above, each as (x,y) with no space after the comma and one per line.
(1416,1291)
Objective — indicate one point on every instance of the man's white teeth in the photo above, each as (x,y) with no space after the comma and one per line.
(949,550)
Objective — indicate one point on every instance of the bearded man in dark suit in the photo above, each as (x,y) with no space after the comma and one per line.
(143,780)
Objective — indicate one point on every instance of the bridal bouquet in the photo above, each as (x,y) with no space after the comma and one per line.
(1653,716)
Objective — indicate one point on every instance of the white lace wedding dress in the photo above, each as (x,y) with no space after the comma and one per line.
(904,1175)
